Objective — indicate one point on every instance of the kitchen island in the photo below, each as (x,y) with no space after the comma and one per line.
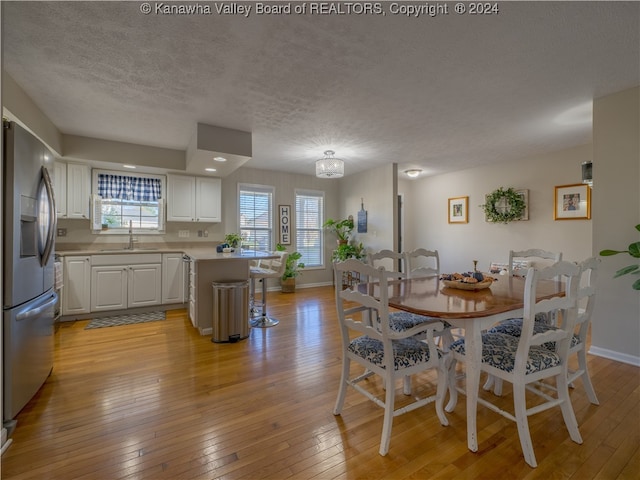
(207,267)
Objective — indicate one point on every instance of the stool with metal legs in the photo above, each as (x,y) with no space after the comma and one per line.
(271,268)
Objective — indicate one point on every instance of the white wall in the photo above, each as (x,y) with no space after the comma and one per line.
(426,212)
(616,160)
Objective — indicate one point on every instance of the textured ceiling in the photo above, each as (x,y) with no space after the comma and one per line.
(439,93)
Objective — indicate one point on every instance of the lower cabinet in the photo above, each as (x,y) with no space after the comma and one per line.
(173,278)
(116,286)
(76,285)
(109,288)
(119,287)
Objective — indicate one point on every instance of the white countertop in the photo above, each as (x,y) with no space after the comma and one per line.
(196,253)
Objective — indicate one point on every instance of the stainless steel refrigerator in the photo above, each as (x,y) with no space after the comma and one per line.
(29,298)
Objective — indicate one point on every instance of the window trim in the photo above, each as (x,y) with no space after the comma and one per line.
(311,193)
(125,231)
(258,188)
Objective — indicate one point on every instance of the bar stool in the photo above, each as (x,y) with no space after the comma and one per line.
(271,268)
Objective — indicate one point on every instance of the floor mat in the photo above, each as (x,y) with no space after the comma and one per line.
(125,320)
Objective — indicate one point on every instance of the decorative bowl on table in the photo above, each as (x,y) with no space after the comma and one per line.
(467,280)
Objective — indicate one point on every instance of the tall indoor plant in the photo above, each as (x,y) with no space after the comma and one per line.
(292,269)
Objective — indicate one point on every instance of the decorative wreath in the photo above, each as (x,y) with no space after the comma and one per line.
(514,201)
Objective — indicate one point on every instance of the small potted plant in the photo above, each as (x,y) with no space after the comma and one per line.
(233,239)
(342,228)
(291,270)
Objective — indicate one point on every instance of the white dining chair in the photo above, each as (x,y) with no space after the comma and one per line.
(520,261)
(368,339)
(396,266)
(526,360)
(586,302)
(422,263)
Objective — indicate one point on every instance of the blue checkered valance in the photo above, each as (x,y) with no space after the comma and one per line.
(123,187)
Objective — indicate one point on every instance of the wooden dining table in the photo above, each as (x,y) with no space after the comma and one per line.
(472,310)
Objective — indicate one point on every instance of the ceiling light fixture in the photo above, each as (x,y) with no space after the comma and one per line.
(210,169)
(129,166)
(329,166)
(413,172)
(220,159)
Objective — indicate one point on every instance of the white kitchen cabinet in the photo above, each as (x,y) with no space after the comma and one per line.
(76,290)
(208,199)
(72,190)
(125,281)
(145,285)
(181,198)
(109,288)
(60,188)
(173,278)
(193,199)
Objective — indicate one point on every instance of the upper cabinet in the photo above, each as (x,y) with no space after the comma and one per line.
(193,199)
(72,188)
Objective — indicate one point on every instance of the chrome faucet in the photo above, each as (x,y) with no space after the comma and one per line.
(130,246)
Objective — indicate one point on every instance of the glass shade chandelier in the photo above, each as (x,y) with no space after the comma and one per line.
(329,166)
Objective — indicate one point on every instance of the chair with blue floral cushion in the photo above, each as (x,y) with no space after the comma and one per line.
(526,360)
(396,265)
(368,339)
(586,296)
(519,262)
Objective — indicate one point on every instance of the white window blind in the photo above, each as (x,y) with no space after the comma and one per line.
(309,238)
(255,216)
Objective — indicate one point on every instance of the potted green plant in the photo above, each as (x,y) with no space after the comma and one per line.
(233,239)
(348,250)
(292,269)
(634,251)
(342,228)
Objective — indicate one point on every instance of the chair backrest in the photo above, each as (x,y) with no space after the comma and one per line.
(350,301)
(390,260)
(422,263)
(514,268)
(569,274)
(276,264)
(586,296)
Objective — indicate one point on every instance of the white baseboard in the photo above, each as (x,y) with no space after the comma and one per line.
(613,355)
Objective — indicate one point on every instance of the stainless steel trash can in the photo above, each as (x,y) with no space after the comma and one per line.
(230,311)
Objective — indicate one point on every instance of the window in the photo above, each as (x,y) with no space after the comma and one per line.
(255,216)
(122,200)
(309,237)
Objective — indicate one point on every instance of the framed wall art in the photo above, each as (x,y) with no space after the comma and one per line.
(572,202)
(459,210)
(284,214)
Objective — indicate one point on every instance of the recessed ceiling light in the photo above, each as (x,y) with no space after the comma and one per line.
(413,173)
(220,159)
(210,169)
(129,166)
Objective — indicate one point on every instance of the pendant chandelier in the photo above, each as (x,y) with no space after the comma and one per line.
(329,166)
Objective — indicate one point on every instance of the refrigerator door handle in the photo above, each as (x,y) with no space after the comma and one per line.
(34,312)
(49,216)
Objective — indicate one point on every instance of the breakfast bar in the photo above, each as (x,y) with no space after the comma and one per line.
(207,267)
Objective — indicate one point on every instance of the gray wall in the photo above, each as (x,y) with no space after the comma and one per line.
(426,212)
(616,160)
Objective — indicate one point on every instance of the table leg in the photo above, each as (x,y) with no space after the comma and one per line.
(473,353)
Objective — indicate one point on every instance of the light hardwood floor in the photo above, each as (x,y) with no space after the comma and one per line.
(158,401)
